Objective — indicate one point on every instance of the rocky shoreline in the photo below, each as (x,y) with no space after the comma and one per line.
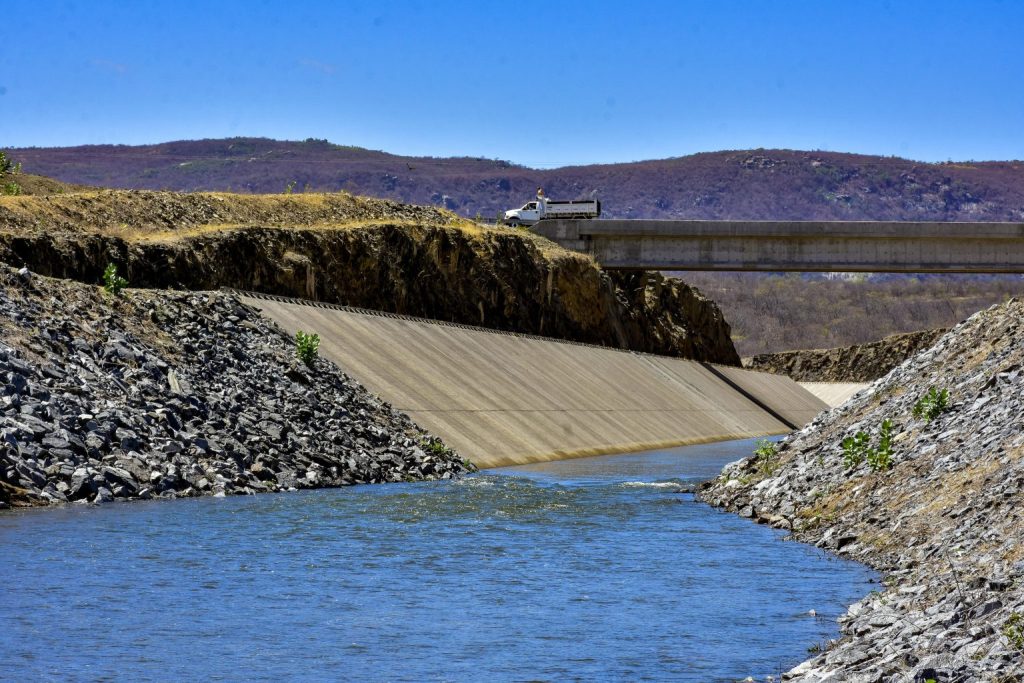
(930,498)
(169,394)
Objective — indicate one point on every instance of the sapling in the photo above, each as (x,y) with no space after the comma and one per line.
(932,404)
(307,346)
(112,282)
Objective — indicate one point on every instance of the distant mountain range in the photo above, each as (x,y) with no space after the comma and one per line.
(750,184)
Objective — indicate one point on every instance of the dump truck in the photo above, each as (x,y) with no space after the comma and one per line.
(542,208)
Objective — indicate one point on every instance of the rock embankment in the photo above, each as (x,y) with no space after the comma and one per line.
(367,253)
(166,394)
(944,522)
(858,363)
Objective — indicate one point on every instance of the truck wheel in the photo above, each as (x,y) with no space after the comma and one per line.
(514,223)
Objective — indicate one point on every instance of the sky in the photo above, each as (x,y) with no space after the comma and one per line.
(537,83)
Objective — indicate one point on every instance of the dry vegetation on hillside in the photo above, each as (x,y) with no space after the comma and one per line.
(771,313)
(739,184)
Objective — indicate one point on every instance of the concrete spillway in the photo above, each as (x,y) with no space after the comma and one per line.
(502,399)
(834,393)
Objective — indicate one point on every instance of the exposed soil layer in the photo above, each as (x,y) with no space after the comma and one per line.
(939,511)
(858,363)
(361,252)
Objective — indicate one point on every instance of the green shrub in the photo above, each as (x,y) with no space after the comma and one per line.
(434,446)
(858,448)
(766,454)
(307,346)
(290,187)
(764,448)
(112,282)
(932,404)
(1013,629)
(7,165)
(880,459)
(855,449)
(8,169)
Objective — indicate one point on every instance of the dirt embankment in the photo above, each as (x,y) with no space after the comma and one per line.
(858,363)
(29,184)
(938,510)
(360,252)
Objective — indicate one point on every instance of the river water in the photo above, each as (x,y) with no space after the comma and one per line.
(590,569)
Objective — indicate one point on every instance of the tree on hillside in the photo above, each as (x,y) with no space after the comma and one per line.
(8,169)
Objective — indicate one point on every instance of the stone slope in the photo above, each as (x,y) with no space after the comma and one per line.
(179,394)
(857,363)
(945,522)
(374,254)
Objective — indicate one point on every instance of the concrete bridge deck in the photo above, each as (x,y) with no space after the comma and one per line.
(503,399)
(827,246)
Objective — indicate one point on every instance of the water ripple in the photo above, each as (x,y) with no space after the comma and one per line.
(568,571)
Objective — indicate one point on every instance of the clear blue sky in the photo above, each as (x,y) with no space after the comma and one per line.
(539,83)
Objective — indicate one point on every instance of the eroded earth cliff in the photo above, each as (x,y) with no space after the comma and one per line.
(857,363)
(360,252)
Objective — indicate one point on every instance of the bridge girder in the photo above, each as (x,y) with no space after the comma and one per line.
(802,246)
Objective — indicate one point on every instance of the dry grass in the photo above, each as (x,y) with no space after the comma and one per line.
(167,217)
(167,236)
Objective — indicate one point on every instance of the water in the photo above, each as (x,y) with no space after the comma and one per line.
(594,569)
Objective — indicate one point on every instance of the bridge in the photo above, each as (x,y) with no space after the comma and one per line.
(502,399)
(826,246)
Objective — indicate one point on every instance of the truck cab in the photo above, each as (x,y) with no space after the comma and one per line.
(534,211)
(528,214)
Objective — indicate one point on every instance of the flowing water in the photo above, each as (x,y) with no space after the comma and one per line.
(590,569)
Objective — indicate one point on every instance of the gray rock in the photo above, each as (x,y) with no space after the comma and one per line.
(114,420)
(942,523)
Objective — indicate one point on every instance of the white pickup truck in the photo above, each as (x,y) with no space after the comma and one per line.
(531,212)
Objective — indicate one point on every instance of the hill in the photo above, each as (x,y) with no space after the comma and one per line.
(770,313)
(750,184)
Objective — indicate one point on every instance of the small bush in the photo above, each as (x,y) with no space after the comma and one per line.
(880,459)
(7,165)
(8,169)
(858,448)
(307,346)
(764,448)
(1013,630)
(434,446)
(766,455)
(855,449)
(932,404)
(290,187)
(112,282)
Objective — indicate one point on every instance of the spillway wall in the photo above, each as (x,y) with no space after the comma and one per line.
(503,399)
